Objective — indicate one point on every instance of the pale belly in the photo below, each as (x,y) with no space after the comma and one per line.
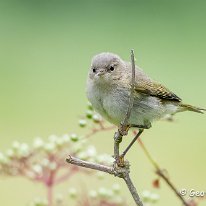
(113,106)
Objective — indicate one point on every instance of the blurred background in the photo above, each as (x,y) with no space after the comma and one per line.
(45,52)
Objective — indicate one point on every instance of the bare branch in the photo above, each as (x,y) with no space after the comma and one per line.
(90,165)
(121,172)
(132,190)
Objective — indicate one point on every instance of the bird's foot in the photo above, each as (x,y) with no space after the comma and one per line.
(120,161)
(123,129)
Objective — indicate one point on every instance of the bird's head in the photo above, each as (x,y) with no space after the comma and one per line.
(106,67)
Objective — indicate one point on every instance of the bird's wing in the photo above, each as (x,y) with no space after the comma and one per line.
(155,89)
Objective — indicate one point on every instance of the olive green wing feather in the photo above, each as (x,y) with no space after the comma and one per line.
(155,89)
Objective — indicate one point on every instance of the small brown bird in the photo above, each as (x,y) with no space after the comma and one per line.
(108,89)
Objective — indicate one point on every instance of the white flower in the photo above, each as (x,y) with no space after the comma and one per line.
(10,153)
(40,201)
(154,197)
(91,151)
(52,165)
(3,159)
(110,193)
(38,143)
(59,198)
(118,199)
(45,162)
(50,147)
(24,150)
(16,145)
(102,192)
(60,142)
(100,175)
(116,188)
(82,155)
(52,138)
(146,195)
(66,138)
(72,192)
(37,169)
(93,194)
(105,158)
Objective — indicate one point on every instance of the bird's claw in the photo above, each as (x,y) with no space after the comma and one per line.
(123,129)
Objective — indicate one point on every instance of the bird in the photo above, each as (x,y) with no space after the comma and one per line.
(108,89)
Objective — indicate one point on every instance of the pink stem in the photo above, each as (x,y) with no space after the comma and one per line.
(49,194)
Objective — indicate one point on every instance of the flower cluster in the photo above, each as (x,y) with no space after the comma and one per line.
(44,161)
(43,158)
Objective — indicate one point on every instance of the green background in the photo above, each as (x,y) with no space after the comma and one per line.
(45,52)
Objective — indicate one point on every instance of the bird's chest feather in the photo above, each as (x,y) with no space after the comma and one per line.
(110,102)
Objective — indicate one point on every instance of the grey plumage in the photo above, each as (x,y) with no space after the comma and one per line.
(108,89)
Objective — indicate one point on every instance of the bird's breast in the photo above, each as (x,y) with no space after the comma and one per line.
(109,100)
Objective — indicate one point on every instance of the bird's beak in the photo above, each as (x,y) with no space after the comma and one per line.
(101,72)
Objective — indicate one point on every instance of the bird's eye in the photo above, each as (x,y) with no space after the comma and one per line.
(111,68)
(94,70)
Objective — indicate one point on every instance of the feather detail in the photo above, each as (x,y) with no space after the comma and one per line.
(156,89)
(187,107)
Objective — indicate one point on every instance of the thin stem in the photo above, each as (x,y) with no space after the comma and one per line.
(49,194)
(160,173)
(153,162)
(132,142)
(171,185)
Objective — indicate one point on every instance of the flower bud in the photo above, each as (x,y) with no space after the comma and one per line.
(154,198)
(82,123)
(89,106)
(96,118)
(146,195)
(74,137)
(89,114)
(72,192)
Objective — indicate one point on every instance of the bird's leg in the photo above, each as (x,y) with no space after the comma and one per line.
(123,129)
(131,143)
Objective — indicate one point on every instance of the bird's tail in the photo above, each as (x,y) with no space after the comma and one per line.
(187,107)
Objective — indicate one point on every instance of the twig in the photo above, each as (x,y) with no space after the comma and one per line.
(121,172)
(91,165)
(131,97)
(161,174)
(120,167)
(171,185)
